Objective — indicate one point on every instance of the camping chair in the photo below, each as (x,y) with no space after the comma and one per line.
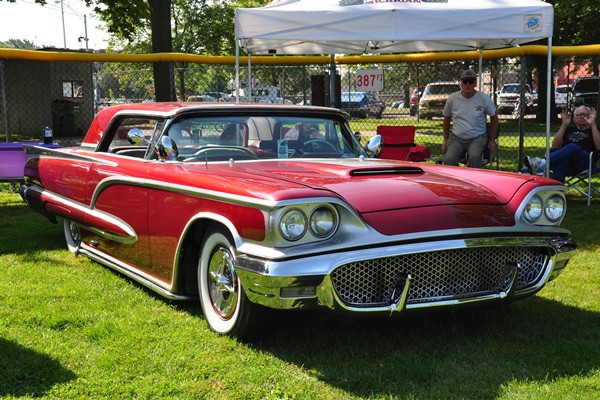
(584,178)
(399,144)
(487,157)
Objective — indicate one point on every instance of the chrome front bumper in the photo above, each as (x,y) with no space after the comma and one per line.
(401,277)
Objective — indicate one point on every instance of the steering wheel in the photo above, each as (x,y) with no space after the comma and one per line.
(318,145)
(221,151)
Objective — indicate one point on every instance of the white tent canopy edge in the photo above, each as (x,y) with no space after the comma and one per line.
(388,26)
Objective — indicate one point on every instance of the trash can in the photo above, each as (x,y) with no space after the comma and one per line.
(65,117)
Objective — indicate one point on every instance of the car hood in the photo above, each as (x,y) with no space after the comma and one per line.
(378,185)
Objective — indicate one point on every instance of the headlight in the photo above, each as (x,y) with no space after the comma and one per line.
(554,208)
(323,222)
(293,225)
(533,209)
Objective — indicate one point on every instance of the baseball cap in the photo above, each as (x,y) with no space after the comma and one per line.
(468,74)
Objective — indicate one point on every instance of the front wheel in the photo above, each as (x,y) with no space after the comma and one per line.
(72,235)
(225,306)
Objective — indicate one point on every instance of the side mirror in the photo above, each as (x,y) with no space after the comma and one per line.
(135,136)
(374,145)
(166,149)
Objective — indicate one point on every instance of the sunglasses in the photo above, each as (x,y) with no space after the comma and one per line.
(468,81)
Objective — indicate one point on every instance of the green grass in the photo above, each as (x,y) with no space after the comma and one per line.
(73,329)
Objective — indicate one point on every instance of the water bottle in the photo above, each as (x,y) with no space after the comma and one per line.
(282,149)
(47,135)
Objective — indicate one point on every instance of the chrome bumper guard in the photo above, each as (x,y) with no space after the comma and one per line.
(407,277)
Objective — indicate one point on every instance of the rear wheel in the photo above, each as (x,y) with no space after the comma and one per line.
(226,308)
(72,236)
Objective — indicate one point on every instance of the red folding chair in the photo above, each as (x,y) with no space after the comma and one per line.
(399,144)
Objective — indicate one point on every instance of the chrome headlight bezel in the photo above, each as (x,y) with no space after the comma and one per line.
(323,221)
(313,215)
(555,207)
(534,209)
(544,207)
(293,224)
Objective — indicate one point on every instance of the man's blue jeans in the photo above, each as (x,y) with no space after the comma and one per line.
(568,160)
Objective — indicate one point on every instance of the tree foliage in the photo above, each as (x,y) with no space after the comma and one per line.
(18,44)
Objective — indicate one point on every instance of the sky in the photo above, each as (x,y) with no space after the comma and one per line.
(43,26)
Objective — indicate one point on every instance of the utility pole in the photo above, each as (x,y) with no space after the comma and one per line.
(62,12)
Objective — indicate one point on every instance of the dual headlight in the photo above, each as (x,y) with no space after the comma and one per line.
(549,209)
(320,222)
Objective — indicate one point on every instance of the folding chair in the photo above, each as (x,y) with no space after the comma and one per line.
(584,178)
(399,144)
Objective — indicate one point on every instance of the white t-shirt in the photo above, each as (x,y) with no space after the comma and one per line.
(469,114)
(292,134)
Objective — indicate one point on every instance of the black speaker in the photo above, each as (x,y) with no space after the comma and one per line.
(320,91)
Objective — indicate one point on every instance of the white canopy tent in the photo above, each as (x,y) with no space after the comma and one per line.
(387,26)
(287,27)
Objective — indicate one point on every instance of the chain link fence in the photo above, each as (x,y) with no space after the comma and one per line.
(65,95)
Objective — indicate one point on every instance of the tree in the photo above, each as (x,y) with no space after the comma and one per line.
(18,44)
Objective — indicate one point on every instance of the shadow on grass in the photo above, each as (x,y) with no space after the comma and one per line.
(26,372)
(23,230)
(468,354)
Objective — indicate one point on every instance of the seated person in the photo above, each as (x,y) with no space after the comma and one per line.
(312,132)
(467,110)
(231,136)
(571,145)
(295,133)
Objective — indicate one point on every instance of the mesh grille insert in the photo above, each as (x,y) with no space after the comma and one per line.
(459,273)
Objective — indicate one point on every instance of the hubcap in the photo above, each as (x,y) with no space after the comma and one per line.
(75,234)
(222,283)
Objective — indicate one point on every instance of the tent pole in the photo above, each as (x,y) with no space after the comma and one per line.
(249,85)
(237,71)
(549,78)
(332,102)
(480,69)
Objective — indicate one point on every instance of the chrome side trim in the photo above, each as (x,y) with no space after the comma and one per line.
(61,152)
(130,236)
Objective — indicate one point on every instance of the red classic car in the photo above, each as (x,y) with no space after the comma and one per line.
(213,202)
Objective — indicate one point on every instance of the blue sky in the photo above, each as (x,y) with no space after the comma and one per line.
(43,25)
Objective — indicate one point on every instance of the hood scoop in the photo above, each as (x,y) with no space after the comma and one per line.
(386,171)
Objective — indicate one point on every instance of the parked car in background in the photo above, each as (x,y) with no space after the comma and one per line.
(202,98)
(414,100)
(562,95)
(362,105)
(208,202)
(585,91)
(509,97)
(263,94)
(220,96)
(434,98)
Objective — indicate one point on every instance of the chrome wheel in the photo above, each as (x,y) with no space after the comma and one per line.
(222,283)
(72,235)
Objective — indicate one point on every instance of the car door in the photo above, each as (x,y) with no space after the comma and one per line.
(118,189)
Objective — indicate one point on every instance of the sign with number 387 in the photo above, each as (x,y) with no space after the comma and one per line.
(369,80)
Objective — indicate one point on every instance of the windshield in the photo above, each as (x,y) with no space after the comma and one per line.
(441,89)
(562,89)
(221,138)
(586,86)
(352,97)
(513,89)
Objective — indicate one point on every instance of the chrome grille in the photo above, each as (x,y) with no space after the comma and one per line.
(459,273)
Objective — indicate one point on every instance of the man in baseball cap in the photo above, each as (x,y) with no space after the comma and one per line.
(467,112)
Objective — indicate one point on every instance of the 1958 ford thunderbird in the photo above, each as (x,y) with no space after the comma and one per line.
(251,207)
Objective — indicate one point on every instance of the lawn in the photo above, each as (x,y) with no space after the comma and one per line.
(73,329)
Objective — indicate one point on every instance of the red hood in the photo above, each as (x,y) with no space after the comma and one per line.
(377,185)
